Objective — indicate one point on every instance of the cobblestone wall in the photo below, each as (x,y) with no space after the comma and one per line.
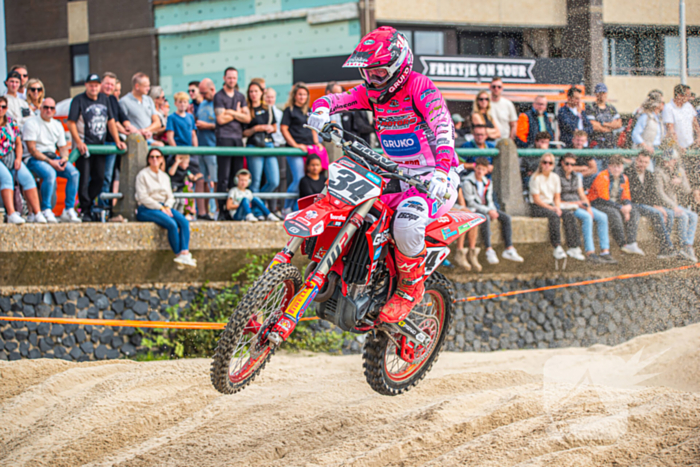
(607,313)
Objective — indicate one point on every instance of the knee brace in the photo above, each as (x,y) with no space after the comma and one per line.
(409,226)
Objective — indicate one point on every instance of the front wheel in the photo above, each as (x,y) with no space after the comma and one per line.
(241,353)
(386,372)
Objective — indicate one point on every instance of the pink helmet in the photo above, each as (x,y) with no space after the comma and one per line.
(385,61)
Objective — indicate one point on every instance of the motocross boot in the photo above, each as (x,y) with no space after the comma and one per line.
(409,290)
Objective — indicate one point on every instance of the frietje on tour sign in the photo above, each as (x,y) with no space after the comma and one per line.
(511,70)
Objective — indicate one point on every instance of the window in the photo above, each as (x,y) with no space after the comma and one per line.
(429,42)
(648,53)
(491,44)
(425,42)
(672,55)
(80,63)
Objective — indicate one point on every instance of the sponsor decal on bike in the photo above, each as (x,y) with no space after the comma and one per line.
(435,257)
(472,223)
(377,253)
(293,230)
(311,214)
(317,229)
(304,221)
(346,163)
(426,93)
(400,145)
(448,233)
(443,220)
(320,253)
(373,178)
(340,217)
(292,215)
(335,224)
(300,302)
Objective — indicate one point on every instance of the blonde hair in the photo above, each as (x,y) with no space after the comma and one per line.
(42,95)
(488,107)
(181,96)
(539,164)
(291,102)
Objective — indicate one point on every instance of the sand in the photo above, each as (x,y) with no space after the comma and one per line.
(636,404)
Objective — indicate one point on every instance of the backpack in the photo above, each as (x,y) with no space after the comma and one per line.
(624,141)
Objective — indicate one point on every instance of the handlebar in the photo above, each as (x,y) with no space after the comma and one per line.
(391,169)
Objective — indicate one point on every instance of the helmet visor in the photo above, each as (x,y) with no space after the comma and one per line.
(376,76)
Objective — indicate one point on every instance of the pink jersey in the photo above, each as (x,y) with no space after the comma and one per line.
(415,128)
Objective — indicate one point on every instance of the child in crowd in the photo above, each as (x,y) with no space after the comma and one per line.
(241,204)
(182,176)
(314,181)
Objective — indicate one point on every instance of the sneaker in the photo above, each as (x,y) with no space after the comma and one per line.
(511,254)
(69,215)
(559,253)
(86,218)
(607,259)
(204,217)
(667,254)
(271,217)
(576,254)
(461,259)
(632,249)
(491,256)
(595,259)
(688,253)
(117,218)
(37,218)
(15,218)
(186,260)
(48,215)
(251,218)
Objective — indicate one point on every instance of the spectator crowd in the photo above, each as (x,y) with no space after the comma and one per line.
(584,193)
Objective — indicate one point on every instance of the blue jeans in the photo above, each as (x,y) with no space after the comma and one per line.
(295,164)
(687,224)
(258,209)
(662,230)
(601,222)
(178,227)
(268,165)
(48,175)
(26,181)
(109,176)
(209,168)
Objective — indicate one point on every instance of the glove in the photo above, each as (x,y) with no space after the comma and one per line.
(438,184)
(319,118)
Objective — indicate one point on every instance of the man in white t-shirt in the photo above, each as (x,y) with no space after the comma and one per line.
(43,134)
(679,117)
(502,110)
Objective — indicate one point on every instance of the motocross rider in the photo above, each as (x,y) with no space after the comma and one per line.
(416,131)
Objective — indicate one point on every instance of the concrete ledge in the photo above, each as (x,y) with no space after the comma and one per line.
(132,253)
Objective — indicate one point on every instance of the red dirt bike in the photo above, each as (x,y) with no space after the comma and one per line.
(345,232)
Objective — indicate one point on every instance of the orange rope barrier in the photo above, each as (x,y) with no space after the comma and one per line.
(218,326)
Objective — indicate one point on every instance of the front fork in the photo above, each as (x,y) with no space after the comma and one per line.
(301,301)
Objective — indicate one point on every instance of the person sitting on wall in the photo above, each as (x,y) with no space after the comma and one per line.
(610,193)
(242,205)
(478,192)
(528,165)
(479,142)
(588,166)
(154,196)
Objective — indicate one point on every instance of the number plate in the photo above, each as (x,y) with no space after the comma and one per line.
(352,183)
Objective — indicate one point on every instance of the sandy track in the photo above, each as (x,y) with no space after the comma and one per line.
(497,409)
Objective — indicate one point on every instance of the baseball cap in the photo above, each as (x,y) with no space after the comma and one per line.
(13,74)
(600,87)
(457,118)
(92,78)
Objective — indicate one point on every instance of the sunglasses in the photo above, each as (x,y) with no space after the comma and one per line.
(547,163)
(36,89)
(3,107)
(483,99)
(23,76)
(192,91)
(155,156)
(47,107)
(496,87)
(568,164)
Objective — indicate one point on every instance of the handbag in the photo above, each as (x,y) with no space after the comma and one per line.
(262,139)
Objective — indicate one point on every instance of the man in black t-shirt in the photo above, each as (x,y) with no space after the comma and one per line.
(113,161)
(89,120)
(231,115)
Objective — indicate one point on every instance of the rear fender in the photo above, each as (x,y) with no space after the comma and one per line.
(449,227)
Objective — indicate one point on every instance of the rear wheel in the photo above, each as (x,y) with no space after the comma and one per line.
(386,372)
(240,355)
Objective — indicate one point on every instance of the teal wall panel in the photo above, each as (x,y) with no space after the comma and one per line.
(257,50)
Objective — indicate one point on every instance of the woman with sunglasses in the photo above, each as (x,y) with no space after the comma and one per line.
(154,196)
(482,115)
(11,163)
(545,201)
(35,95)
